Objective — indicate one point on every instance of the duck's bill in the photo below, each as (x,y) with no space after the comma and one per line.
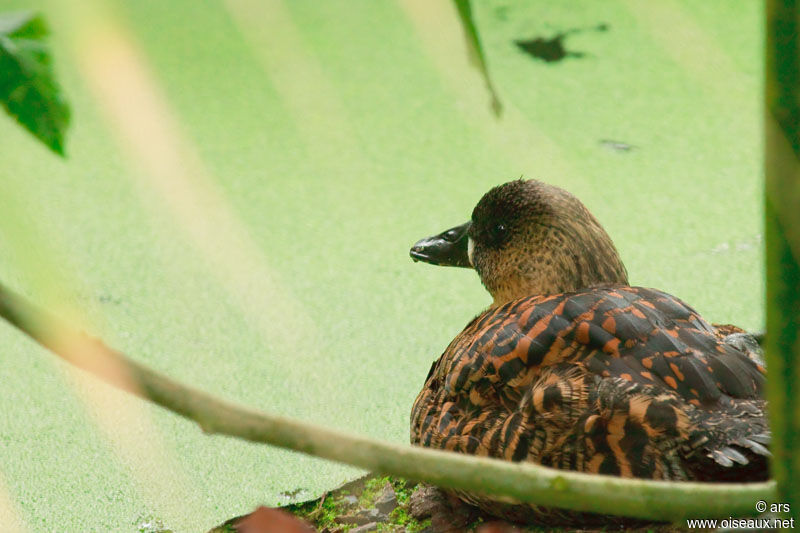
(449,248)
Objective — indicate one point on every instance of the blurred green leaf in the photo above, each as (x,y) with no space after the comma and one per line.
(477,55)
(782,194)
(28,89)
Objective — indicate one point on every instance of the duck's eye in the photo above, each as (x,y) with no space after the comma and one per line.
(497,233)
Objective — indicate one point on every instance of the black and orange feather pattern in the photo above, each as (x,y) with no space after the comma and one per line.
(615,380)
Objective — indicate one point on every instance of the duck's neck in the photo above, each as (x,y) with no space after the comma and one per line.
(513,293)
(563,270)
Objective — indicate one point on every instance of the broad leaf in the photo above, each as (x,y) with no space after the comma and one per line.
(28,89)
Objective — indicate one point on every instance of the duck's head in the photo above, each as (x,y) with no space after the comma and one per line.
(526,238)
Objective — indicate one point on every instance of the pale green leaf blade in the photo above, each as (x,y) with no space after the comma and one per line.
(476,50)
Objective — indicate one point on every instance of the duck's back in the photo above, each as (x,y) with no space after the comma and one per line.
(617,380)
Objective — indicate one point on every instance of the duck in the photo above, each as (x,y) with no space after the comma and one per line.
(573,368)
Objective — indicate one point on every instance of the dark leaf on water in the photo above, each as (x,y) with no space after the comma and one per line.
(552,49)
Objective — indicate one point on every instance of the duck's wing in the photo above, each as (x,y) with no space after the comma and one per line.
(524,378)
(640,335)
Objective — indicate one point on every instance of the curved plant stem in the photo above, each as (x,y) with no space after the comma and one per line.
(505,480)
(477,55)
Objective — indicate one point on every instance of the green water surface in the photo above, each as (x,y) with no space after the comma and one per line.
(339,141)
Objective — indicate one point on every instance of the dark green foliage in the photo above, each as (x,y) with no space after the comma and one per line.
(782,86)
(28,89)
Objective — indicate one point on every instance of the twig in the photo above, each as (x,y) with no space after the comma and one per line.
(667,501)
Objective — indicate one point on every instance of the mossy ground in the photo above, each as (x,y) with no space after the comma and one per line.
(325,514)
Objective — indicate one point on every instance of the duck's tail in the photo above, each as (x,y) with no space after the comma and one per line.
(729,444)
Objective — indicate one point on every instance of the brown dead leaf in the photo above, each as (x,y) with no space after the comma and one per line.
(268,520)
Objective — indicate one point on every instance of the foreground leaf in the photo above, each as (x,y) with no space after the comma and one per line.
(782,194)
(28,89)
